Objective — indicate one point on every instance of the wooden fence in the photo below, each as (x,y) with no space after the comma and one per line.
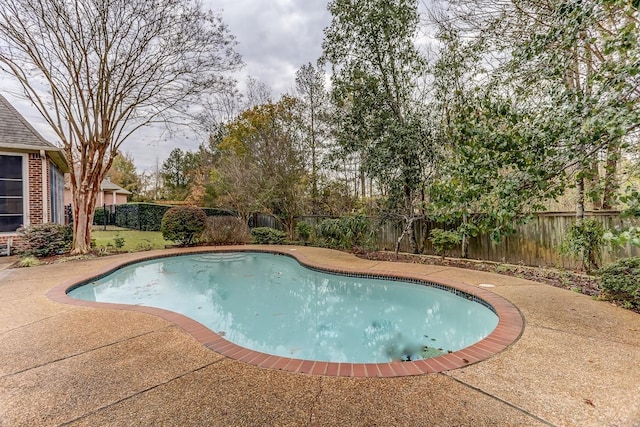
(535,243)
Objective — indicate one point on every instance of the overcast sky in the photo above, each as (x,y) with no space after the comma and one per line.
(274,37)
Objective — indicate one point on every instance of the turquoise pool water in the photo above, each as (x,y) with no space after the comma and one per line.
(272,304)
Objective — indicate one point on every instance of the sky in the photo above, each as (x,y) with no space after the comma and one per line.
(275,38)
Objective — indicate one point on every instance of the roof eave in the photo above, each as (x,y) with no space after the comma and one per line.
(56,154)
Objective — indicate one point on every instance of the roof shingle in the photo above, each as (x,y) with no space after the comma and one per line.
(17,134)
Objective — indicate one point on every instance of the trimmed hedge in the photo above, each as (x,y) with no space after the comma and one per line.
(146,216)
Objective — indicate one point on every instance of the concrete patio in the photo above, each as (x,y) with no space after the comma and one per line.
(577,363)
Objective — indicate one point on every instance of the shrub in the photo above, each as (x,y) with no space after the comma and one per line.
(118,242)
(225,230)
(183,224)
(443,241)
(44,240)
(144,216)
(621,281)
(349,232)
(584,242)
(29,261)
(267,236)
(304,231)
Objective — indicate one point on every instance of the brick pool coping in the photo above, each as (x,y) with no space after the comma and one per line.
(509,328)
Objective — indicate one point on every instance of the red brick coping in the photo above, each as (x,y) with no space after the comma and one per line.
(509,329)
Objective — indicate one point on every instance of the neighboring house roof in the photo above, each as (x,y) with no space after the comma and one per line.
(17,134)
(107,185)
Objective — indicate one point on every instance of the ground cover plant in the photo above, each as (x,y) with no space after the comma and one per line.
(620,282)
(267,236)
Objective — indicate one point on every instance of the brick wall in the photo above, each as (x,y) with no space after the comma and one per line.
(35,189)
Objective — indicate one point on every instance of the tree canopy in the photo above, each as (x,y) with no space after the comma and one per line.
(99,70)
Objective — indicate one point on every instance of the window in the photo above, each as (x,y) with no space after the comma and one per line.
(56,189)
(11,192)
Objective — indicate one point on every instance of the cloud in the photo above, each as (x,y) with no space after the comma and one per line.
(276,38)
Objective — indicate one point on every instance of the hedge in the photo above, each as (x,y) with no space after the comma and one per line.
(146,216)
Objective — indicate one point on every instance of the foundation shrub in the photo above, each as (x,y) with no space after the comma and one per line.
(183,224)
(222,230)
(43,240)
(620,281)
(267,236)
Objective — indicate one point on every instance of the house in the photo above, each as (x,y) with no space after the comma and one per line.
(110,194)
(31,176)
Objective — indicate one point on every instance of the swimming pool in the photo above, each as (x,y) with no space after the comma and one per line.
(271,304)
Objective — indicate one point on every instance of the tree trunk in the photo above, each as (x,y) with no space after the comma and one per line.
(593,183)
(84,208)
(610,181)
(464,247)
(407,228)
(412,237)
(580,197)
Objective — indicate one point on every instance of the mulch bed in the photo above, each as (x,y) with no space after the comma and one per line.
(571,280)
(565,279)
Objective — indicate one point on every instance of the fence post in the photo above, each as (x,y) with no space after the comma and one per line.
(104,216)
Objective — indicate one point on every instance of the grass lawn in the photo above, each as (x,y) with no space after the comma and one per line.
(134,240)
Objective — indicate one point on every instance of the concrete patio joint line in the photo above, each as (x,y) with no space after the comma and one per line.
(506,402)
(71,356)
(102,408)
(581,335)
(43,319)
(431,273)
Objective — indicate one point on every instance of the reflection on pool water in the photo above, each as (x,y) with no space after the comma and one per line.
(270,303)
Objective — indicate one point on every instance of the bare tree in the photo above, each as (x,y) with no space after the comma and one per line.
(258,93)
(314,102)
(109,67)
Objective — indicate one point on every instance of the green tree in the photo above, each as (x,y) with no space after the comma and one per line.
(574,64)
(263,141)
(376,76)
(557,96)
(108,68)
(175,174)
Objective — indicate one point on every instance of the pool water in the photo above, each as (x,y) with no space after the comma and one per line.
(272,304)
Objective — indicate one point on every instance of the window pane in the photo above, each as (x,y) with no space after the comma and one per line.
(10,188)
(11,167)
(10,223)
(11,206)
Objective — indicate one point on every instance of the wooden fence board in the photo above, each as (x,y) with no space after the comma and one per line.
(535,243)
